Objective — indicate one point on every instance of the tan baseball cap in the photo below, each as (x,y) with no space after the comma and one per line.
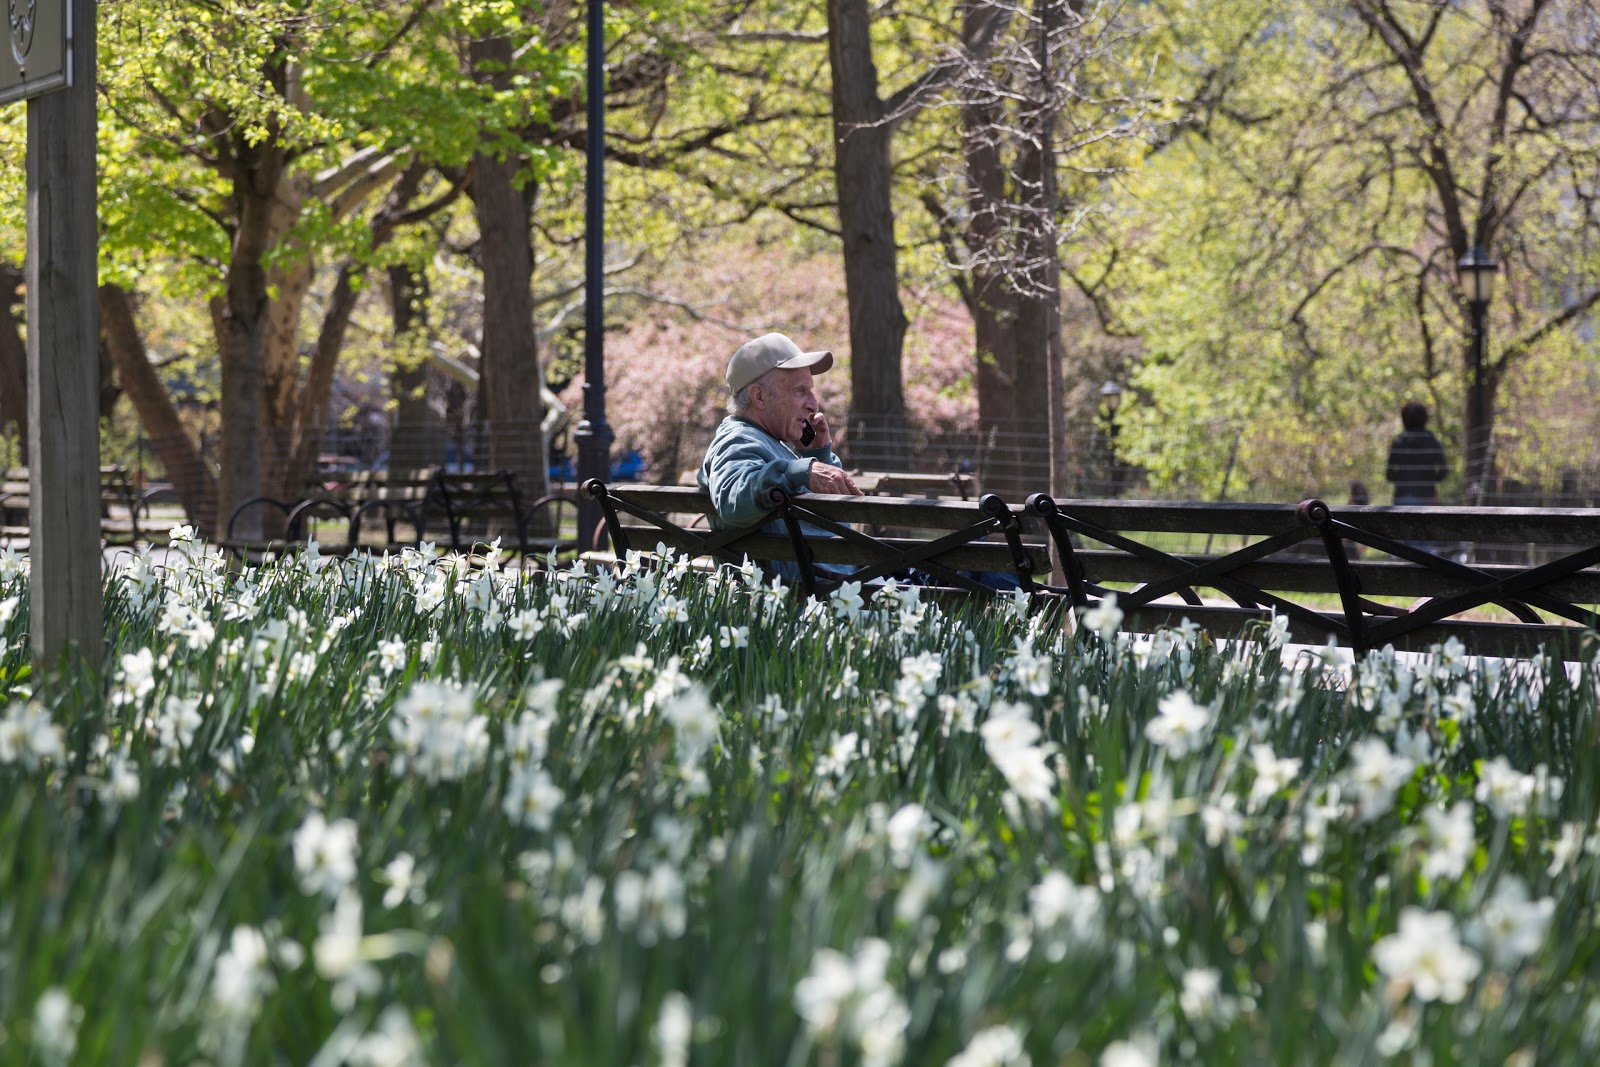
(755,358)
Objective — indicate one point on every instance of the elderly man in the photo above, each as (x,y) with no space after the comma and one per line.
(775,435)
(776,438)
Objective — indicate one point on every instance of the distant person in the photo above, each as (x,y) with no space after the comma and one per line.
(1416,459)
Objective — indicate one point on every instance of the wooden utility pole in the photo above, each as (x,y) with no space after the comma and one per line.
(63,361)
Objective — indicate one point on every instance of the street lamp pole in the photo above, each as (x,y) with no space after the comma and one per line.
(1110,397)
(1478,444)
(593,436)
(1476,271)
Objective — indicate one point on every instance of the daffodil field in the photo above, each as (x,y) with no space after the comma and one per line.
(403,810)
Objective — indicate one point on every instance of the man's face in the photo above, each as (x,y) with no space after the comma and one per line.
(784,402)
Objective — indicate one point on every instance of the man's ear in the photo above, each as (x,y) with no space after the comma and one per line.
(758,395)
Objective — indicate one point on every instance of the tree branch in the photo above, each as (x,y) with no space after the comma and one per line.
(1519,348)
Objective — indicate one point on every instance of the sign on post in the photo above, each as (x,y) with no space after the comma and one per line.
(35,52)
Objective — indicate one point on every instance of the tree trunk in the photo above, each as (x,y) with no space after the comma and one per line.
(239,317)
(994,309)
(304,417)
(1050,12)
(304,424)
(110,389)
(417,435)
(194,484)
(863,176)
(1016,280)
(1031,386)
(13,361)
(283,405)
(508,383)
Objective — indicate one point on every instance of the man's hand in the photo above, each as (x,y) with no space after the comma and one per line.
(826,478)
(824,438)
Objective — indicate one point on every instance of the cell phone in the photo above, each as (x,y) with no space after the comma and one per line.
(808,434)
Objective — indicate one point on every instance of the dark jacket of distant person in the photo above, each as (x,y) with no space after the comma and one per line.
(1416,459)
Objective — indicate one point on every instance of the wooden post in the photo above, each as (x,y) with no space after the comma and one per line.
(63,361)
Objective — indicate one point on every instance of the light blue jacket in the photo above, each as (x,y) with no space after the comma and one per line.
(743,464)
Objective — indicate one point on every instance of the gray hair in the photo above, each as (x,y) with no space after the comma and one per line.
(739,403)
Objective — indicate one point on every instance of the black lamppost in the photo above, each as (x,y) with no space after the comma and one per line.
(1110,397)
(593,435)
(1476,271)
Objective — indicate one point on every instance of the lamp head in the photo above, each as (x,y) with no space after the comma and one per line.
(1111,395)
(1475,272)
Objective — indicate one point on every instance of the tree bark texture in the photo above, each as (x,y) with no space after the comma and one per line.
(305,421)
(1031,412)
(239,317)
(994,300)
(1049,290)
(1008,146)
(296,417)
(13,360)
(508,384)
(863,177)
(195,485)
(110,390)
(417,436)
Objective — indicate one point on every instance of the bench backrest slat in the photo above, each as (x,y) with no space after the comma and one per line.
(925,514)
(1313,575)
(1553,526)
(981,556)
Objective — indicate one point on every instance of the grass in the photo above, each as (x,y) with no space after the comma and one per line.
(394,811)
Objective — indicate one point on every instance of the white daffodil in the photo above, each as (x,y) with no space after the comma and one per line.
(1425,956)
(55,1026)
(1510,926)
(1452,838)
(325,854)
(1180,725)
(1104,617)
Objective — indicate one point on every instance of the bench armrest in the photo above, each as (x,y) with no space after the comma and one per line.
(233,516)
(310,509)
(391,510)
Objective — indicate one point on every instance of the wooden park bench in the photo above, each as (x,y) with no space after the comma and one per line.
(917,486)
(388,510)
(477,506)
(341,505)
(1297,563)
(120,506)
(1288,551)
(952,539)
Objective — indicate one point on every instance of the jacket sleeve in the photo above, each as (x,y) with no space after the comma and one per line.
(826,455)
(740,476)
(1438,466)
